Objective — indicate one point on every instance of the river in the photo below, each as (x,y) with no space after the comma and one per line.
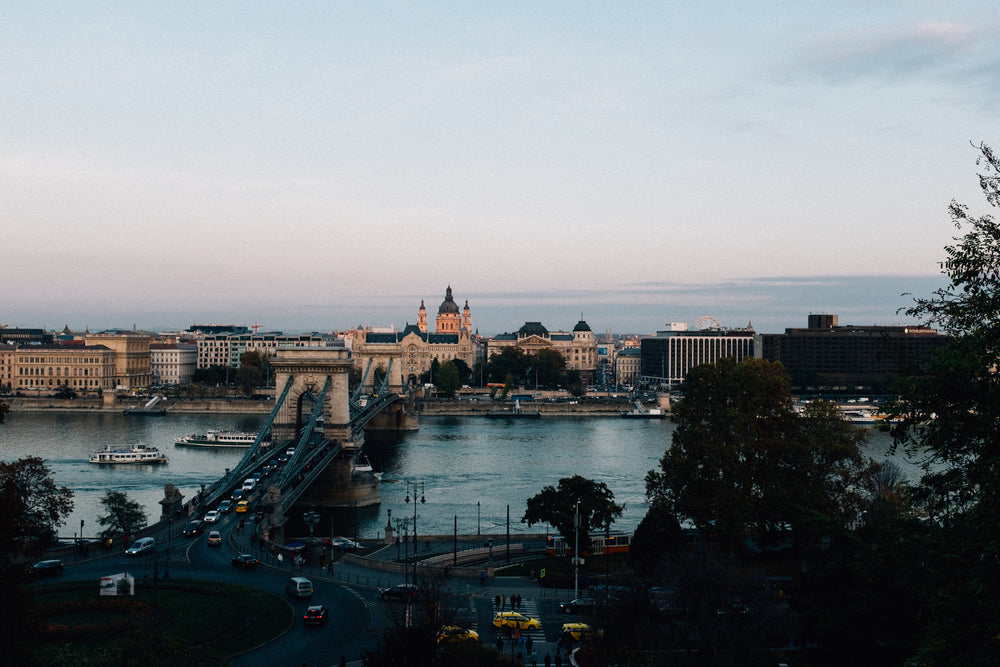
(469,469)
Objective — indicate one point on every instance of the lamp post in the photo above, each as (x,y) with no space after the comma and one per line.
(415,485)
(576,552)
(477,518)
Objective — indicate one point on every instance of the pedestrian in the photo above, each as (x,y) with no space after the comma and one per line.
(343,661)
(519,602)
(548,660)
(503,602)
(496,602)
(499,644)
(558,659)
(482,578)
(531,644)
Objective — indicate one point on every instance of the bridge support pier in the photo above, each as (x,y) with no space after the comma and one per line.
(340,485)
(394,418)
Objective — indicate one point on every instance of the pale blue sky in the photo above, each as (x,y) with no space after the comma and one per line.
(318,165)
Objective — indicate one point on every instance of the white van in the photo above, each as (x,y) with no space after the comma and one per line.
(299,587)
(141,546)
(249,484)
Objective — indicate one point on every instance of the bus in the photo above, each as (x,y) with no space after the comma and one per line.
(615,543)
(494,385)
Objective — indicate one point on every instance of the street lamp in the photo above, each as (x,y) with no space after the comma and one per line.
(477,518)
(311,518)
(415,485)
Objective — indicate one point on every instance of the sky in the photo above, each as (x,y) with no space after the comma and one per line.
(315,166)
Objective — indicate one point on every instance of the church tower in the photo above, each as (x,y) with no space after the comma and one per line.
(422,318)
(467,317)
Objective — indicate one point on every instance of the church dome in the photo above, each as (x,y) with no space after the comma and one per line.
(448,306)
(581,326)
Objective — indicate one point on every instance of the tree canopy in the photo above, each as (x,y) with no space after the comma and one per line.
(557,506)
(123,516)
(744,464)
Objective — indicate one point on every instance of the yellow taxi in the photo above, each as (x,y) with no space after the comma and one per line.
(243,506)
(514,620)
(580,632)
(451,634)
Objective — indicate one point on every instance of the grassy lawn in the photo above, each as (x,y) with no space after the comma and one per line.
(180,620)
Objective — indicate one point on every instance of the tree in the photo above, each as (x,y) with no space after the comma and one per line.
(948,413)
(557,506)
(743,463)
(254,367)
(33,506)
(124,516)
(547,368)
(446,380)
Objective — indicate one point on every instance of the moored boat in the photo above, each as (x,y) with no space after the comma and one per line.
(640,412)
(516,413)
(218,438)
(128,454)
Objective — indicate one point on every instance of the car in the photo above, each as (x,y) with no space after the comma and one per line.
(46,568)
(245,561)
(452,634)
(226,506)
(237,495)
(579,606)
(316,614)
(257,475)
(243,506)
(515,620)
(580,632)
(284,458)
(212,517)
(215,539)
(400,593)
(193,528)
(141,546)
(249,484)
(343,544)
(299,587)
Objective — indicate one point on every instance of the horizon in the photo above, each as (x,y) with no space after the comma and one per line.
(770,305)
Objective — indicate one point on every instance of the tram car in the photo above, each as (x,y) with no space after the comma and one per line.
(614,543)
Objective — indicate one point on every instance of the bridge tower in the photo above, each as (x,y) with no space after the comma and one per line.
(310,368)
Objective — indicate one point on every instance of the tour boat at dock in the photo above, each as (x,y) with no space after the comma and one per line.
(128,454)
(216,438)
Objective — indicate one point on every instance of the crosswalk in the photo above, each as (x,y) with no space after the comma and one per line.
(530,609)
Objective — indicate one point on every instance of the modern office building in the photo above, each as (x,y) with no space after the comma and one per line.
(828,355)
(667,357)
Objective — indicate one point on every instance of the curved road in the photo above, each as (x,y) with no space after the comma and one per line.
(346,633)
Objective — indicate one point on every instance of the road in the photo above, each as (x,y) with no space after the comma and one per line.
(357,614)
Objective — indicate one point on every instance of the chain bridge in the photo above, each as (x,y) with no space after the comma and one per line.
(318,425)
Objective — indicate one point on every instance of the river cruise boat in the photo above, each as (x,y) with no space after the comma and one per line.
(128,454)
(218,438)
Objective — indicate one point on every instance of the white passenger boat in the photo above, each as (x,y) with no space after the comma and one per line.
(216,438)
(128,454)
(363,465)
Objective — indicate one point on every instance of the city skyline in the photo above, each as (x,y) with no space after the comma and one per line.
(317,166)
(770,306)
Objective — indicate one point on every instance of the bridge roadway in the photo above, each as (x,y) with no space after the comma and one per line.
(312,450)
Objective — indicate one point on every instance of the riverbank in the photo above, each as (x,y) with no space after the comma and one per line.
(171,405)
(435,407)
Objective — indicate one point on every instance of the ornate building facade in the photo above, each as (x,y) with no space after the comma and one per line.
(578,348)
(413,349)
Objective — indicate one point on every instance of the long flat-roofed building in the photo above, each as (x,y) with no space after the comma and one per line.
(827,354)
(667,357)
